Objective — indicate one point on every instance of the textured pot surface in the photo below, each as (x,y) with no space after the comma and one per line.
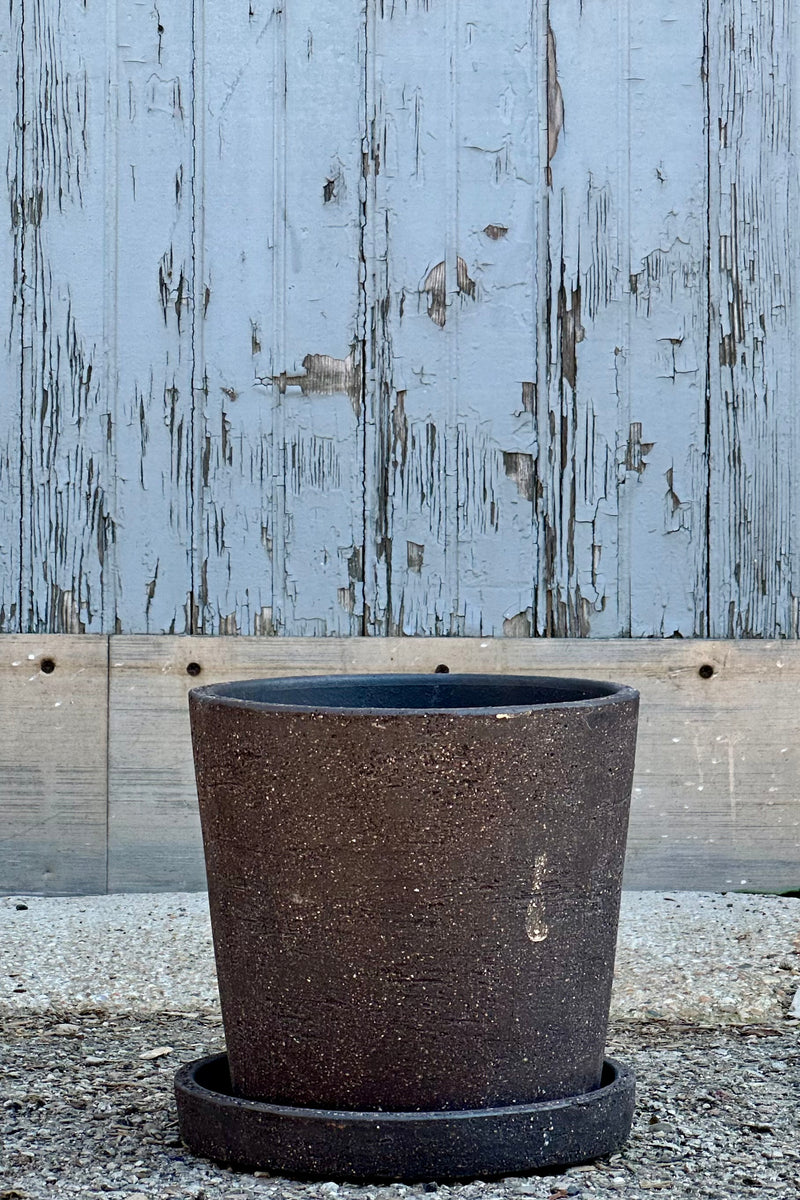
(414,884)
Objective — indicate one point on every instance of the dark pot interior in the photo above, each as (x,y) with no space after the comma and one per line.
(417,693)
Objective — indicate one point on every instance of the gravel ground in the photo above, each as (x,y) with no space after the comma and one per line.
(102,998)
(86,1113)
(686,956)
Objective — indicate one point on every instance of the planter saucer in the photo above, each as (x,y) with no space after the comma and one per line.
(358,1146)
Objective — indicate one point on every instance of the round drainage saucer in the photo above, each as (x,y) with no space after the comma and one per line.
(317,1143)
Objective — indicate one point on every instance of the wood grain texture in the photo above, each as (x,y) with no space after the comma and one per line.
(237,93)
(662,547)
(583,314)
(754,195)
(53,765)
(153,824)
(318,319)
(621,486)
(152,296)
(67,523)
(452,206)
(715,802)
(715,798)
(11,266)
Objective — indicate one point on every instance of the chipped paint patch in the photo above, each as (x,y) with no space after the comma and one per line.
(263,625)
(415,553)
(520,625)
(529,394)
(555,104)
(435,286)
(636,451)
(326,376)
(572,332)
(520,468)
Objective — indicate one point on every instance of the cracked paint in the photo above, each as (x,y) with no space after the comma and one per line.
(536,369)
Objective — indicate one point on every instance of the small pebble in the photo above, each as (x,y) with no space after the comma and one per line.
(158,1052)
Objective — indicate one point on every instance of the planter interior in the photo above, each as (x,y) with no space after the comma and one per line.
(414,693)
(414,885)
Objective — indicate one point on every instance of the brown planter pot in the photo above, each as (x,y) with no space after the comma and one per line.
(414,885)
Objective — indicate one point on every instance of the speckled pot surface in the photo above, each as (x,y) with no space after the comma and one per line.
(414,884)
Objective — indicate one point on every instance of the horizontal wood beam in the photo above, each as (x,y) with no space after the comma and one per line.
(97,789)
(53,772)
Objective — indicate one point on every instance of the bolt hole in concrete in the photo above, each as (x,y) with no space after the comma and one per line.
(47,666)
(706,671)
(442,669)
(193,668)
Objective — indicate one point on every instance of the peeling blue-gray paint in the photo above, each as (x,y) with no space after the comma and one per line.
(346,318)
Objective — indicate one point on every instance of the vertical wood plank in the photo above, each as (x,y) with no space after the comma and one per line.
(454,152)
(410,448)
(583,322)
(53,764)
(11,300)
(662,362)
(624,325)
(278,320)
(754,201)
(318,333)
(67,518)
(152,110)
(237,90)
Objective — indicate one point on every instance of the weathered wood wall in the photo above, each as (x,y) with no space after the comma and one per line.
(339,317)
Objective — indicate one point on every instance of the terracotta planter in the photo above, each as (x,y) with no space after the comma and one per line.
(414,885)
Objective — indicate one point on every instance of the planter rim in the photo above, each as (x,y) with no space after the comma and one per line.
(568,693)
